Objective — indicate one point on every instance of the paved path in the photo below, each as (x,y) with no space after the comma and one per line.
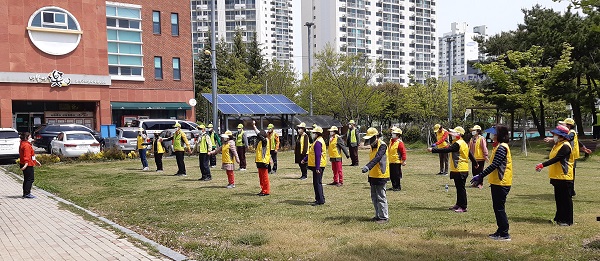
(36,229)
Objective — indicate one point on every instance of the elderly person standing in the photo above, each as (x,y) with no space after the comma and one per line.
(560,171)
(441,135)
(379,173)
(335,149)
(317,160)
(397,153)
(263,157)
(274,147)
(459,169)
(215,141)
(142,137)
(229,153)
(352,142)
(478,146)
(26,162)
(241,144)
(203,147)
(301,149)
(180,145)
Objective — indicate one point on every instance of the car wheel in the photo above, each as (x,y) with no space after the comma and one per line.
(49,149)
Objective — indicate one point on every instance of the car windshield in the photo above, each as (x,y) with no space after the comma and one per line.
(8,135)
(80,136)
(130,134)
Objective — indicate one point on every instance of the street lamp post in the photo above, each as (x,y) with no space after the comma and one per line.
(451,67)
(213,68)
(309,25)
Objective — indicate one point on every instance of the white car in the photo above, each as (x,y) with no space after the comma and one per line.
(9,143)
(74,144)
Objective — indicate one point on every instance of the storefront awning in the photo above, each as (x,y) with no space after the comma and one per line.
(150,106)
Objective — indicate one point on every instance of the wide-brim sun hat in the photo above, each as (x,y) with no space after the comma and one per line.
(370,133)
(177,125)
(317,129)
(209,125)
(561,130)
(240,126)
(458,129)
(396,130)
(436,127)
(301,125)
(333,128)
(569,121)
(476,127)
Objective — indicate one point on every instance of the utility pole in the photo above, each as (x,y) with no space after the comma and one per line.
(213,68)
(450,42)
(309,25)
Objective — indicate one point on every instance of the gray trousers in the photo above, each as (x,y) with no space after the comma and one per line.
(444,163)
(379,201)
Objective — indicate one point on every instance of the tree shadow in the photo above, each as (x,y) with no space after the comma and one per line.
(296,202)
(14,197)
(534,220)
(340,220)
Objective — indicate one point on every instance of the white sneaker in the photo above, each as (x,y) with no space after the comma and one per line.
(242,169)
(145,169)
(230,186)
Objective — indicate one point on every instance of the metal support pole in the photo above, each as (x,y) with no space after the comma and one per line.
(213,69)
(309,25)
(451,65)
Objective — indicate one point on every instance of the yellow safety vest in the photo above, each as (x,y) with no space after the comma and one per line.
(333,151)
(439,136)
(393,152)
(263,157)
(353,135)
(226,157)
(203,147)
(159,147)
(239,141)
(273,139)
(460,159)
(312,156)
(140,142)
(575,151)
(302,137)
(494,177)
(478,152)
(558,170)
(381,170)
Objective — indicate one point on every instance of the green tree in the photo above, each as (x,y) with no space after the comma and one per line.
(254,59)
(280,79)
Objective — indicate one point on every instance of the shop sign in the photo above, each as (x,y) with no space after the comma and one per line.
(55,78)
(69,114)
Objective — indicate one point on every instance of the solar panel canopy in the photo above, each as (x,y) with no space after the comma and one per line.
(274,104)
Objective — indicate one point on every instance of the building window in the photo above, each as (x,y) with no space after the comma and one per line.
(174,24)
(176,69)
(158,73)
(156,22)
(124,41)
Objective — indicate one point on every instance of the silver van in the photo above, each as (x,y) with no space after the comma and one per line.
(156,126)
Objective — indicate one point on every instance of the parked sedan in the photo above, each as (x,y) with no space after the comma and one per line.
(9,143)
(45,134)
(74,144)
(126,139)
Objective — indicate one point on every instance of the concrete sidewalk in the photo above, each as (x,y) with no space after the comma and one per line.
(36,229)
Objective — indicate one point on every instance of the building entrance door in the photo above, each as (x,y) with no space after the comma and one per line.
(28,121)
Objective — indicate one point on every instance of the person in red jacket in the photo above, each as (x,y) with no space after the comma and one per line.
(397,158)
(27,161)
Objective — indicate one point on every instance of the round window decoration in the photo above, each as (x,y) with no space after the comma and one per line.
(54,30)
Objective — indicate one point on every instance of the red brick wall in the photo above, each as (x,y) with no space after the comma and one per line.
(90,56)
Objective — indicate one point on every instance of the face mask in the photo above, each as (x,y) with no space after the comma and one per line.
(454,135)
(350,126)
(474,133)
(30,139)
(492,136)
(331,133)
(394,136)
(239,130)
(313,136)
(300,131)
(209,130)
(555,138)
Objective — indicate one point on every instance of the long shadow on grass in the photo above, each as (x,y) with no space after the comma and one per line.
(340,220)
(461,233)
(434,208)
(535,220)
(296,202)
(246,194)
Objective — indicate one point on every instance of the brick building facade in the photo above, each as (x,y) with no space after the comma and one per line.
(94,62)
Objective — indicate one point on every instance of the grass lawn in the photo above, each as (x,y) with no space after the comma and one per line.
(206,221)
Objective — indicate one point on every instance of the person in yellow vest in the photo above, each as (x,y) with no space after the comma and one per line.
(142,138)
(180,145)
(263,157)
(317,160)
(335,149)
(203,147)
(379,173)
(576,145)
(560,171)
(301,149)
(215,141)
(459,169)
(500,173)
(274,146)
(229,157)
(478,146)
(241,144)
(397,153)
(352,142)
(441,142)
(159,150)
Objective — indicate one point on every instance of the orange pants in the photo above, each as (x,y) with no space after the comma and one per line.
(230,177)
(265,186)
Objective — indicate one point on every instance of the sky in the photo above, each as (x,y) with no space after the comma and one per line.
(497,15)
